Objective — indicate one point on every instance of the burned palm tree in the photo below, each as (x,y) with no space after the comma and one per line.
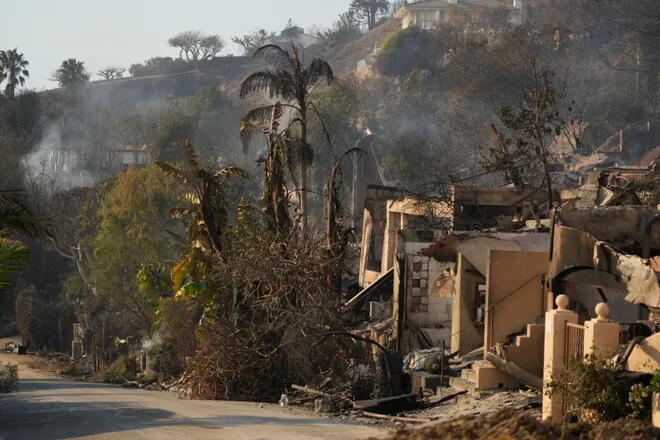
(288,79)
(336,237)
(275,195)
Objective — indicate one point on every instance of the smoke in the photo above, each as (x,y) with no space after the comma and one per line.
(148,343)
(63,166)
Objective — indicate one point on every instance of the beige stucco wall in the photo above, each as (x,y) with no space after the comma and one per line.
(514,292)
(465,335)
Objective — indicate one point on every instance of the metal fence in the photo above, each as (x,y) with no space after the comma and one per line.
(573,351)
(574,343)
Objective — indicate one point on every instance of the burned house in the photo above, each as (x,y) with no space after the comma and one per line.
(407,255)
(508,289)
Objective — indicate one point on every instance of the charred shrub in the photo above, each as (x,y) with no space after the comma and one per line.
(268,295)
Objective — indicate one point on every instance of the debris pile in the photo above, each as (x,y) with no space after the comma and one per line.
(510,424)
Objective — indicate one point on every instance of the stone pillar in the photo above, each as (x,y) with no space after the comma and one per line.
(553,356)
(601,336)
(655,408)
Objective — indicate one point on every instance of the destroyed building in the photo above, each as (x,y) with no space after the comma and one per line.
(483,276)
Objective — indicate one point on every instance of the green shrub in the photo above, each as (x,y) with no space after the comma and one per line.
(407,50)
(594,390)
(161,358)
(639,399)
(8,378)
(122,370)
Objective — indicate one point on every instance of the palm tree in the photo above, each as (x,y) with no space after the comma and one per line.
(14,69)
(206,214)
(288,79)
(71,74)
(16,216)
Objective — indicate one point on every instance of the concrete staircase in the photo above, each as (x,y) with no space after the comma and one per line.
(526,352)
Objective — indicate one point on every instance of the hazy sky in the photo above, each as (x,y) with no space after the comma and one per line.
(123,32)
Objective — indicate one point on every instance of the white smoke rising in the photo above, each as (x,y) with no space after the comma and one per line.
(63,165)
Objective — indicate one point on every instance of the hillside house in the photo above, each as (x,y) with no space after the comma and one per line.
(294,35)
(426,14)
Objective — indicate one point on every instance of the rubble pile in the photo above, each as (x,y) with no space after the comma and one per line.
(509,424)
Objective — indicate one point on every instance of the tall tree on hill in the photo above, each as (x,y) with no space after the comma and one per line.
(195,45)
(251,42)
(287,78)
(71,74)
(370,10)
(110,73)
(13,68)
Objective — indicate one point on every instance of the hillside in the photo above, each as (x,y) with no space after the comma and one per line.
(344,58)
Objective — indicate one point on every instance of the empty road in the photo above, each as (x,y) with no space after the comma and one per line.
(49,407)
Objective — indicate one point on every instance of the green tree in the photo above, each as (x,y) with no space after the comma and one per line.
(344,30)
(288,79)
(195,45)
(16,217)
(13,69)
(370,10)
(71,74)
(135,235)
(110,73)
(205,215)
(407,50)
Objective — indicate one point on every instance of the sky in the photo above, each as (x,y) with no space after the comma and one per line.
(124,32)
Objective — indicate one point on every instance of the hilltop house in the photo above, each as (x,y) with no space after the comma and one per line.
(426,14)
(294,35)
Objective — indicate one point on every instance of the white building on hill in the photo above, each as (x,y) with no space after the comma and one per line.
(427,14)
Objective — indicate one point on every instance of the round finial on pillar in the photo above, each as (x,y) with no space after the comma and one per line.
(602,311)
(562,302)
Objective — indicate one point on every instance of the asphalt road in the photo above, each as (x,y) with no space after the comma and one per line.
(48,407)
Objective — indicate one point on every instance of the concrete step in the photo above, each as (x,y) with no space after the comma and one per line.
(527,352)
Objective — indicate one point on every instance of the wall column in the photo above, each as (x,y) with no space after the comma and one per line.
(601,336)
(554,355)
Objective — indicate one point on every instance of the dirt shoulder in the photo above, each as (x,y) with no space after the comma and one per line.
(29,366)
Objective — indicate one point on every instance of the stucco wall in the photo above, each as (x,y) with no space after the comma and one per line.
(465,334)
(514,292)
